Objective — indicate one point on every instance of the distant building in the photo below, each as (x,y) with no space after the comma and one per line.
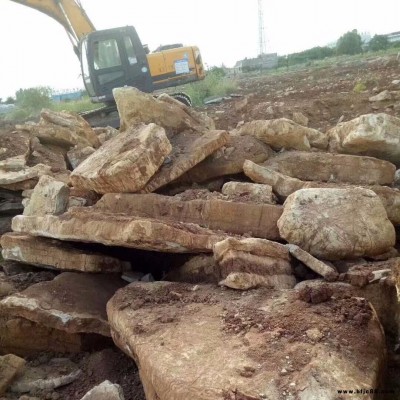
(264,61)
(393,37)
(67,95)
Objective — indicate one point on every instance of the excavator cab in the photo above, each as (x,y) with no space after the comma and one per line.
(114,58)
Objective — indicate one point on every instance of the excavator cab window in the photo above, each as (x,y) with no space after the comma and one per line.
(115,58)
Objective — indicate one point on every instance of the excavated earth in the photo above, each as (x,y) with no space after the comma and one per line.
(155,329)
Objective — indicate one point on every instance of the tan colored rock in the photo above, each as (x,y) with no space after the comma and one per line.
(229,216)
(188,150)
(281,184)
(54,254)
(14,151)
(10,367)
(87,225)
(105,133)
(229,159)
(77,155)
(382,96)
(62,129)
(321,268)
(53,156)
(327,167)
(136,107)
(245,263)
(26,338)
(124,163)
(375,135)
(232,345)
(72,302)
(284,133)
(48,197)
(105,391)
(334,224)
(253,192)
(198,269)
(23,179)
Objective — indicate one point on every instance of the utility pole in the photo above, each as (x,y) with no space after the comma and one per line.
(262,49)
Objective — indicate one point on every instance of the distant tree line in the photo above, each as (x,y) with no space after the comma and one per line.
(348,44)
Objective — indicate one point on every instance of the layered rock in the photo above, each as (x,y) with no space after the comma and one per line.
(87,225)
(284,133)
(49,253)
(229,159)
(62,129)
(284,186)
(53,156)
(374,135)
(188,149)
(72,302)
(23,179)
(136,107)
(327,167)
(48,197)
(237,343)
(246,263)
(125,163)
(230,216)
(337,223)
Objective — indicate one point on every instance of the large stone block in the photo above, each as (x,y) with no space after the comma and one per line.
(327,167)
(125,163)
(335,224)
(87,225)
(208,344)
(376,135)
(72,302)
(259,220)
(136,107)
(55,254)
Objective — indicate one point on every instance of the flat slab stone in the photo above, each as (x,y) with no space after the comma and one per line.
(55,254)
(210,343)
(88,225)
(327,167)
(229,216)
(23,179)
(250,191)
(188,149)
(229,159)
(14,150)
(72,302)
(124,163)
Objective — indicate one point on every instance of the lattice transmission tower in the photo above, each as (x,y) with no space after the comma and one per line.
(262,44)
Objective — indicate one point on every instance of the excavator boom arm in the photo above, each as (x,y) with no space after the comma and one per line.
(69,13)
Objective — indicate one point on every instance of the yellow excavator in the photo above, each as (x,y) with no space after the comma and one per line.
(116,57)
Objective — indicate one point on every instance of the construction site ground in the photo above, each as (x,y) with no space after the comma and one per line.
(325,94)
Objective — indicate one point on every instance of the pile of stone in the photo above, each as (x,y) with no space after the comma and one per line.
(273,248)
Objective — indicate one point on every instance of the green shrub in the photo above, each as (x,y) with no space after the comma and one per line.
(359,87)
(378,42)
(350,43)
(31,101)
(214,84)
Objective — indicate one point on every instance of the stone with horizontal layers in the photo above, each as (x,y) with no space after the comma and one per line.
(77,155)
(210,343)
(245,263)
(229,216)
(54,254)
(283,133)
(337,168)
(334,224)
(228,160)
(136,107)
(188,150)
(72,302)
(88,225)
(125,163)
(376,135)
(250,191)
(23,179)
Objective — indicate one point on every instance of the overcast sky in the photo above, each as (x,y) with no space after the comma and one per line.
(35,49)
